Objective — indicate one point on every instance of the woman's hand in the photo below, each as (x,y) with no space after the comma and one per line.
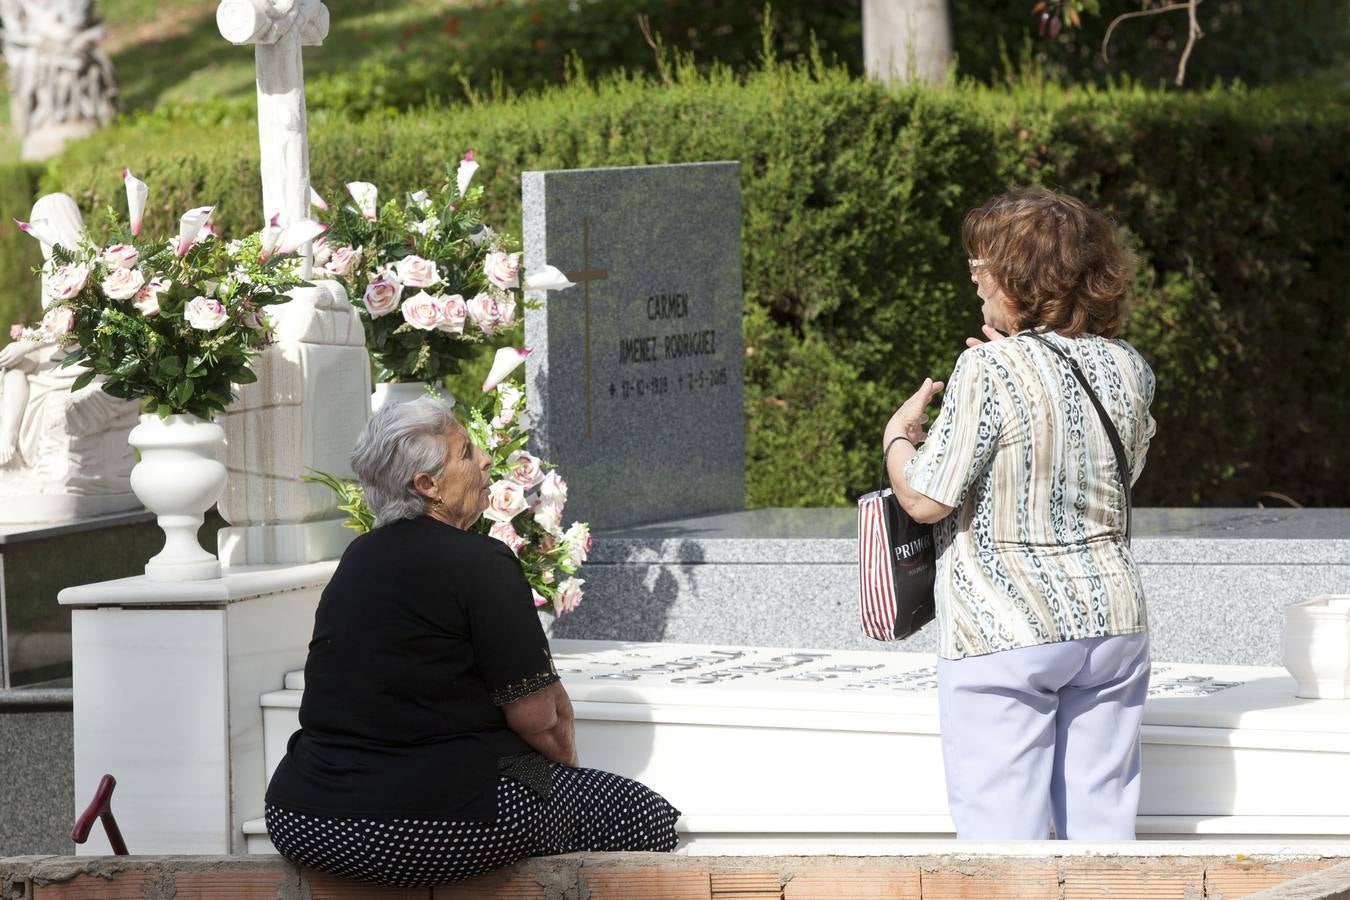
(909,419)
(990,332)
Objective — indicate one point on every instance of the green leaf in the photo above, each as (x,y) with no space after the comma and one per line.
(170,365)
(83,380)
(245,375)
(183,392)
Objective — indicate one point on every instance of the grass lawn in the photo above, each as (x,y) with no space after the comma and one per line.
(171,51)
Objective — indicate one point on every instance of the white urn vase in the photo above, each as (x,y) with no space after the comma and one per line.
(179,477)
(1316,646)
(388,393)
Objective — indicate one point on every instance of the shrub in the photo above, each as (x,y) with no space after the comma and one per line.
(855,283)
(20,299)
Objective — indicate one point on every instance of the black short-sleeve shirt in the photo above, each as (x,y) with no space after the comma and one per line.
(423,632)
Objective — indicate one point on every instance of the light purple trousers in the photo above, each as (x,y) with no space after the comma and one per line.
(1045,733)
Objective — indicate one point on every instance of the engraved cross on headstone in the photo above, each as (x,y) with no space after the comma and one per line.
(278,29)
(584,278)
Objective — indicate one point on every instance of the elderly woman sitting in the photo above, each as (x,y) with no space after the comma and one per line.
(436,741)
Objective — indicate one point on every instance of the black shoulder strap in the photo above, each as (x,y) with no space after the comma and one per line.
(1111,432)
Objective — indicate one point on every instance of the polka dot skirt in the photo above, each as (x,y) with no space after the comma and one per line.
(587,810)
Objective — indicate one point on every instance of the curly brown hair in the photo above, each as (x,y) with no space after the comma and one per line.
(1058,261)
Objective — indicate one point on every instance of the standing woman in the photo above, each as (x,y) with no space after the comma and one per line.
(1043,644)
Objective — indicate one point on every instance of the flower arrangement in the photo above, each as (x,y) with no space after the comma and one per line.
(427,277)
(170,323)
(526,496)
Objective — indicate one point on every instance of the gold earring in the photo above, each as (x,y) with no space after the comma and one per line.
(437,505)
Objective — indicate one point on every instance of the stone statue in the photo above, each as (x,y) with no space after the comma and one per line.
(63,455)
(61,84)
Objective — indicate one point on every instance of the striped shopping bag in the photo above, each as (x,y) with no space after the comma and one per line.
(896,568)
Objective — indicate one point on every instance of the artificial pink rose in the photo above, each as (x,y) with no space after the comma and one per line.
(343,261)
(381,297)
(453,314)
(147,298)
(67,281)
(502,269)
(525,469)
(569,594)
(506,533)
(422,311)
(15,331)
(322,253)
(578,540)
(205,313)
(57,321)
(505,501)
(553,489)
(506,309)
(122,284)
(484,312)
(548,516)
(414,271)
(120,256)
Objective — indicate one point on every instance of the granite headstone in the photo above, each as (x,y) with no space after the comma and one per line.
(637,369)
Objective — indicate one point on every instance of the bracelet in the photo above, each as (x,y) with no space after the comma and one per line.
(885,454)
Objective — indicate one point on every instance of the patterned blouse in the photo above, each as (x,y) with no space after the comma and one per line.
(1035,551)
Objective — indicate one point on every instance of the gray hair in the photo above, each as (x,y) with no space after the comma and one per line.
(399,441)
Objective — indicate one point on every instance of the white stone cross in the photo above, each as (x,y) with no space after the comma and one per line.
(278,29)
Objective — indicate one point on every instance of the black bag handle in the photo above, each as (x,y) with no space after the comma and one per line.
(1111,432)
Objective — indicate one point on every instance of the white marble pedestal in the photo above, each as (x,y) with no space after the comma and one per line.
(818,751)
(166,685)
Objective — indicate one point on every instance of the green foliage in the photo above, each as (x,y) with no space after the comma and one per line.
(442,232)
(1257,42)
(855,283)
(351,499)
(189,334)
(20,300)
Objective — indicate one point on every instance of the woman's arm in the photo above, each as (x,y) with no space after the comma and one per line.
(904,432)
(921,508)
(544,720)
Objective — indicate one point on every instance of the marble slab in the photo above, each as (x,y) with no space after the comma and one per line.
(786,744)
(636,371)
(1216,579)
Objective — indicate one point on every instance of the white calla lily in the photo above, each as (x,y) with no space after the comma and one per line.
(547,278)
(367,197)
(504,363)
(270,237)
(297,234)
(465,172)
(190,225)
(40,230)
(137,192)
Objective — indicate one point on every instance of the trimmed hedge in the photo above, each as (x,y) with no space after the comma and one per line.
(855,283)
(20,300)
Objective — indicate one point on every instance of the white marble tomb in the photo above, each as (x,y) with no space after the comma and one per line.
(786,750)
